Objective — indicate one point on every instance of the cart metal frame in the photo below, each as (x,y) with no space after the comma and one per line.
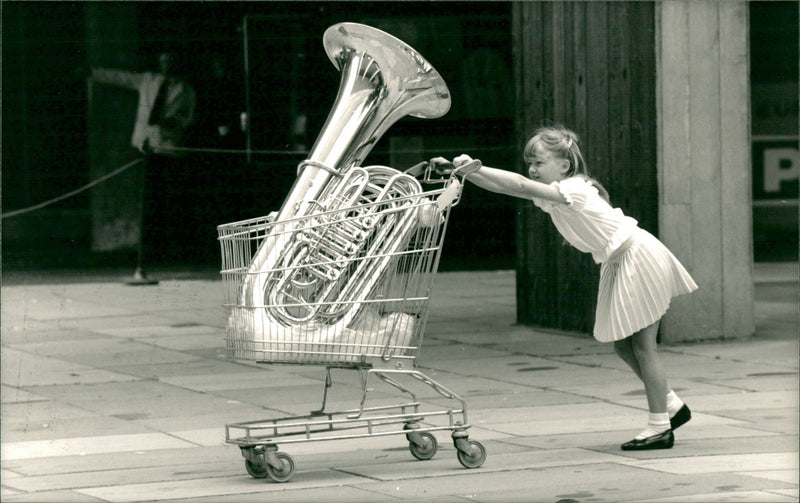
(258,440)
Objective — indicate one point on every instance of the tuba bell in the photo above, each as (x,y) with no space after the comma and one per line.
(299,275)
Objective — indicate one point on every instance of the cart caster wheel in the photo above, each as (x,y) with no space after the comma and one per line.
(475,457)
(285,472)
(426,449)
(256,470)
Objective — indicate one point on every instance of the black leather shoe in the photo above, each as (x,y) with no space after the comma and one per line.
(682,417)
(660,441)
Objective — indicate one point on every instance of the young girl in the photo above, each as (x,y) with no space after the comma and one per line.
(638,276)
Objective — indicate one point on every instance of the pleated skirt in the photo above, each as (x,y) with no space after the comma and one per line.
(637,284)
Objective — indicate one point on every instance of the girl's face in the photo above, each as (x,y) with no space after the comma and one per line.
(545,168)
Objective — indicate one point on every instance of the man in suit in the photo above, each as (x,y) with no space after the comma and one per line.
(165,111)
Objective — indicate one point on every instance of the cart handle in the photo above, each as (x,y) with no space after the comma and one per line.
(451,194)
(425,168)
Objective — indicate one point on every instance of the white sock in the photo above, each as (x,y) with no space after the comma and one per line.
(674,403)
(658,423)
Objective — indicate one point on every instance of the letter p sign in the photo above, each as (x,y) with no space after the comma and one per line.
(780,164)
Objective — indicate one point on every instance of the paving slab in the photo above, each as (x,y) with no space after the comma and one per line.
(748,433)
(12,394)
(582,412)
(626,387)
(254,379)
(430,354)
(100,323)
(716,439)
(190,330)
(731,497)
(632,423)
(342,493)
(40,412)
(549,344)
(780,352)
(197,469)
(52,302)
(530,371)
(190,342)
(766,382)
(21,369)
(443,465)
(89,445)
(597,483)
(58,426)
(734,398)
(16,328)
(390,450)
(685,365)
(690,446)
(301,397)
(763,417)
(136,399)
(13,337)
(50,497)
(114,352)
(88,462)
(789,476)
(525,397)
(215,486)
(197,366)
(721,463)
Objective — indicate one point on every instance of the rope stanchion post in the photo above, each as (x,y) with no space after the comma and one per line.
(139,277)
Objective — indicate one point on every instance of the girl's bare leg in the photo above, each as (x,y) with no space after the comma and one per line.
(624,349)
(645,350)
(646,364)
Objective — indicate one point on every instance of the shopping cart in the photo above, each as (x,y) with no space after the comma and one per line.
(345,286)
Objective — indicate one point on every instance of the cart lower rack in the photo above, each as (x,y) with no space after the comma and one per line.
(259,440)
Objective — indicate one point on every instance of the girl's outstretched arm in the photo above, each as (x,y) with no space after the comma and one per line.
(506,182)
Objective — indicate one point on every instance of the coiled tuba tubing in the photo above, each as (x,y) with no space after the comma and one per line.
(323,271)
(311,268)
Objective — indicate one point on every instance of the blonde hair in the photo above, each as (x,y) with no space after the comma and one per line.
(562,143)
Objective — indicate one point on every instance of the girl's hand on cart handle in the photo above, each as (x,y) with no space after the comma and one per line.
(441,166)
(465,165)
(462,165)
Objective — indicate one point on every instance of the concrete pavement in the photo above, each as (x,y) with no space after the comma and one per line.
(118,393)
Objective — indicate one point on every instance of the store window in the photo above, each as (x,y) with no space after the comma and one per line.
(774,112)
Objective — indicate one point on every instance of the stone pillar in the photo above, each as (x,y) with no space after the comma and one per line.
(704,166)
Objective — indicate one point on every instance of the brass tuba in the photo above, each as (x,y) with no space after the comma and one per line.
(299,276)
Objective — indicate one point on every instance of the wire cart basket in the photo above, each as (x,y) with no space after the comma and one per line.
(345,286)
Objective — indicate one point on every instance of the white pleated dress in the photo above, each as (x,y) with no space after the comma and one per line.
(639,276)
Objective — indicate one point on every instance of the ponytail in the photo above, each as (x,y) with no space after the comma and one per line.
(599,186)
